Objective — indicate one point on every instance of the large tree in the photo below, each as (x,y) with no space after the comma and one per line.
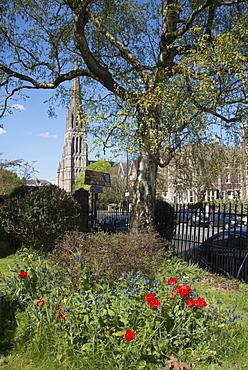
(161,70)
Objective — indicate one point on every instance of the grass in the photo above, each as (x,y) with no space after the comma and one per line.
(215,288)
(6,262)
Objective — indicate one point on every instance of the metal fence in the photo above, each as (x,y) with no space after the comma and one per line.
(216,238)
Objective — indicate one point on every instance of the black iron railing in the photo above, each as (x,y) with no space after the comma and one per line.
(216,238)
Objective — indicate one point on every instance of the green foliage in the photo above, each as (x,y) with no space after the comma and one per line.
(164,219)
(37,216)
(90,322)
(8,181)
(115,194)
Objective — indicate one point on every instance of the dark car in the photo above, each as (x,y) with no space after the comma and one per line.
(115,223)
(227,220)
(92,222)
(192,217)
(226,251)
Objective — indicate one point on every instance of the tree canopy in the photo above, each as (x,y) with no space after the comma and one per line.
(161,71)
(8,181)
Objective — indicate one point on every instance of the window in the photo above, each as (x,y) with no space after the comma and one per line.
(228,179)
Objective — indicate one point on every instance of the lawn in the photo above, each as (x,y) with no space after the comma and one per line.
(41,348)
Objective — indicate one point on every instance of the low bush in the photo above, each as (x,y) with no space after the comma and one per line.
(36,216)
(100,255)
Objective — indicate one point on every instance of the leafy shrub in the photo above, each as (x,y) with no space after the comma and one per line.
(37,216)
(107,256)
(164,219)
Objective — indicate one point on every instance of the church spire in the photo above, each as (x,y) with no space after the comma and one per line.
(75,104)
(75,156)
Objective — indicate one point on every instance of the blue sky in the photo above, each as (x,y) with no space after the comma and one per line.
(31,135)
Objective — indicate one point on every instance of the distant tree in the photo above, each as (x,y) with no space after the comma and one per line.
(116,193)
(197,167)
(8,181)
(200,166)
(24,169)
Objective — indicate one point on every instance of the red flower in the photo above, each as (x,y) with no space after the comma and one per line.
(183,291)
(148,297)
(40,302)
(65,317)
(23,274)
(171,281)
(154,303)
(64,254)
(200,302)
(173,295)
(59,315)
(190,302)
(129,334)
(58,307)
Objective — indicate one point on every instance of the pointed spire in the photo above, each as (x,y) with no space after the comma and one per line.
(76,91)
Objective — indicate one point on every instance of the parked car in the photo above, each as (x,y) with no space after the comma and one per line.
(227,220)
(225,251)
(115,223)
(192,217)
(92,222)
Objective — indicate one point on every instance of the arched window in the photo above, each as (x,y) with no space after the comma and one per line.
(76,144)
(80,145)
(72,146)
(72,120)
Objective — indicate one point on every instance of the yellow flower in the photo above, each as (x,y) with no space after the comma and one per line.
(65,301)
(30,256)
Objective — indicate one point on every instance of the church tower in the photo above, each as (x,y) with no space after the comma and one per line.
(75,155)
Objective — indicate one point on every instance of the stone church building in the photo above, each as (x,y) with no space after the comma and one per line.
(75,153)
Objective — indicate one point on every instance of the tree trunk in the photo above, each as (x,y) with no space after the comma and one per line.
(142,211)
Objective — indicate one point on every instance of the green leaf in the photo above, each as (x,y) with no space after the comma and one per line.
(118,334)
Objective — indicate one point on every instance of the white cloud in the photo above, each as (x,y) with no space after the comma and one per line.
(18,106)
(2,131)
(47,135)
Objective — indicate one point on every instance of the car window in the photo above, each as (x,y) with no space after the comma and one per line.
(123,222)
(226,240)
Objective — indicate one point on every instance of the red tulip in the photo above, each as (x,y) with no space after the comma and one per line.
(23,274)
(40,302)
(171,281)
(200,302)
(129,334)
